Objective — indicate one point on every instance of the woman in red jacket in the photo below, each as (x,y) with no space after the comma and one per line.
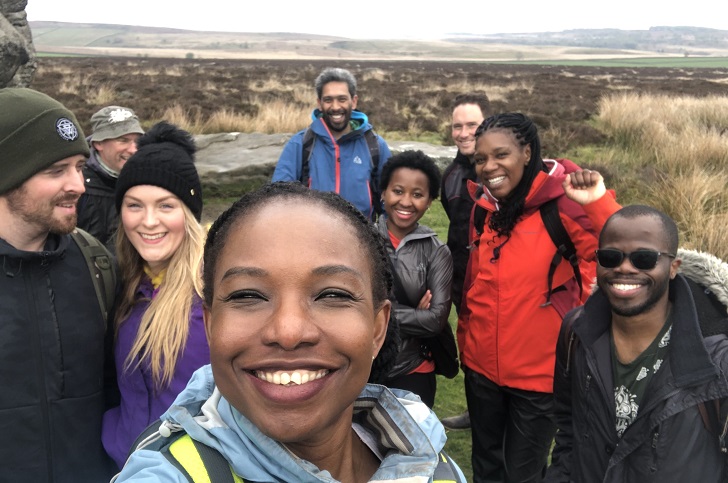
(508,323)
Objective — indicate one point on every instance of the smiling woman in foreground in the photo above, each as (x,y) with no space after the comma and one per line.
(296,310)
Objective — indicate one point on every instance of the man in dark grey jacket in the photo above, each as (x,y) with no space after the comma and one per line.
(113,141)
(52,332)
(640,382)
(468,112)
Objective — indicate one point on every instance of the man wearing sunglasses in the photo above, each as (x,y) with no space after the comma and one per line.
(640,384)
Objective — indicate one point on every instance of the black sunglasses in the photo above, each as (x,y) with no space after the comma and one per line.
(640,259)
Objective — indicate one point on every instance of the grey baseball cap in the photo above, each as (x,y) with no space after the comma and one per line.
(112,122)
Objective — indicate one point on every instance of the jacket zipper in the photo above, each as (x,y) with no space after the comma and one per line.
(40,374)
(572,338)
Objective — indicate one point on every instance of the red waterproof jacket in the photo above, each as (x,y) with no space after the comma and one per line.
(504,331)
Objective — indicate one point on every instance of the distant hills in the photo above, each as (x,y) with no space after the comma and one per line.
(656,39)
(61,38)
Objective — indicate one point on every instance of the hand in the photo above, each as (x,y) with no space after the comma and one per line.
(584,186)
(425,301)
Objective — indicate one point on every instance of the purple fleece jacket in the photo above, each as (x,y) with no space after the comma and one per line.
(140,403)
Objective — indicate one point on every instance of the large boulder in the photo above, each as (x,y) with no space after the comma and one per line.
(231,164)
(17,53)
(225,156)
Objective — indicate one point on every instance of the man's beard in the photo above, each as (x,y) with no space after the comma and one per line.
(343,126)
(654,296)
(41,213)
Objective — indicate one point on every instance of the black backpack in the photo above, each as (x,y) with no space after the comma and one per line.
(565,248)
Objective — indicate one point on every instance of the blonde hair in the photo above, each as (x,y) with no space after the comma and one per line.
(164,327)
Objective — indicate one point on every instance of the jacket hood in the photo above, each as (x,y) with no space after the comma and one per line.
(546,186)
(94,163)
(420,231)
(707,270)
(402,425)
(707,278)
(54,248)
(359,118)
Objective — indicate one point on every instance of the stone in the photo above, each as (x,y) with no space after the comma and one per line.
(229,154)
(231,164)
(17,53)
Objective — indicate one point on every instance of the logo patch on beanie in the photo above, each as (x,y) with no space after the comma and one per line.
(66,129)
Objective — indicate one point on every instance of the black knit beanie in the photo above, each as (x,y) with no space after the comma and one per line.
(35,132)
(166,158)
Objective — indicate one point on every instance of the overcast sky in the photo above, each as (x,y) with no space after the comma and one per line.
(388,19)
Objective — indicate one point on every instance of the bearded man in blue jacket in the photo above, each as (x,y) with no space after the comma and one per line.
(339,151)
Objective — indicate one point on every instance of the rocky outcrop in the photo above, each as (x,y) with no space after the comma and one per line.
(231,164)
(17,54)
(230,154)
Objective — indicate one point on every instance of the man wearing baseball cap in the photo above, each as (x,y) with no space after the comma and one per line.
(52,332)
(113,141)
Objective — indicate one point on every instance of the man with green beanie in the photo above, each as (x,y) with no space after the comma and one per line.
(52,333)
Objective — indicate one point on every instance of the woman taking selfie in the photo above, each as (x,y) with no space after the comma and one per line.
(160,336)
(296,310)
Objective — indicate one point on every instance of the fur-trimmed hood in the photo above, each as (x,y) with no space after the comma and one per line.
(707,277)
(708,271)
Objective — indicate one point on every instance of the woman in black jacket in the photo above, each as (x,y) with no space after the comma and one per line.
(422,267)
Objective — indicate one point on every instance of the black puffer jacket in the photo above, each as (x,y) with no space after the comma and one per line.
(458,205)
(51,367)
(96,208)
(668,441)
(422,263)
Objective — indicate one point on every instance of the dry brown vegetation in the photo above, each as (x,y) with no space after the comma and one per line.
(659,135)
(672,153)
(411,98)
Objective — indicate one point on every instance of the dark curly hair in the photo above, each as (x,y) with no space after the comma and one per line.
(371,242)
(631,212)
(526,134)
(413,160)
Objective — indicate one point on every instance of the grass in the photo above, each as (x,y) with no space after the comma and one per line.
(672,153)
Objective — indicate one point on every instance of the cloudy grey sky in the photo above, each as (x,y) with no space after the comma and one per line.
(389,19)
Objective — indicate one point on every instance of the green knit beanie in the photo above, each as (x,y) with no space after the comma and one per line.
(35,132)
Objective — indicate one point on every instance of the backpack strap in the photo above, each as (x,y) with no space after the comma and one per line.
(445,471)
(198,462)
(373,145)
(101,266)
(479,216)
(309,138)
(564,246)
